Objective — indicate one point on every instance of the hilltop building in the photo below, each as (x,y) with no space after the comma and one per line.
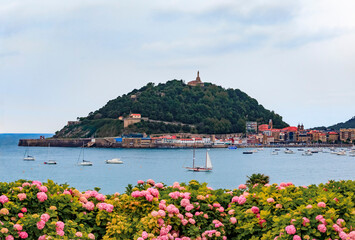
(132,119)
(196,82)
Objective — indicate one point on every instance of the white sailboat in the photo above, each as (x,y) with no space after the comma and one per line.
(208,164)
(83,162)
(27,156)
(49,162)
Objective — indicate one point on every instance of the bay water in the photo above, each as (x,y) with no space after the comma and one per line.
(230,166)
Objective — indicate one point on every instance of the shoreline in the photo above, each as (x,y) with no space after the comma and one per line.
(110,143)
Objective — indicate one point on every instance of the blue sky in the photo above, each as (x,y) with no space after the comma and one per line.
(63,59)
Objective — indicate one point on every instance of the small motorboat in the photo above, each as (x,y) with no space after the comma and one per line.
(248,152)
(232,147)
(307,153)
(114,161)
(274,153)
(341,153)
(288,151)
(50,162)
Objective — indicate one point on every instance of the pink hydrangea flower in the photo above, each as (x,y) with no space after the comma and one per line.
(290,229)
(159,185)
(340,221)
(59,225)
(78,234)
(192,221)
(4,199)
(255,209)
(20,215)
(309,206)
(241,200)
(296,237)
(43,237)
(322,228)
(151,182)
(100,197)
(21,196)
(23,209)
(242,186)
(41,224)
(140,182)
(270,200)
(233,220)
(18,227)
(42,188)
(144,235)
(42,196)
(60,232)
(9,237)
(321,204)
(278,205)
(45,217)
(154,213)
(89,206)
(23,235)
(91,236)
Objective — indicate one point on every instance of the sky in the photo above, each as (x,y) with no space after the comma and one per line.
(60,60)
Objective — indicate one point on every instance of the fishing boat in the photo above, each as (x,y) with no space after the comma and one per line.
(114,161)
(83,162)
(206,168)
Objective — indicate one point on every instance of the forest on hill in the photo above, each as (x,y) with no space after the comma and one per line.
(209,109)
(348,124)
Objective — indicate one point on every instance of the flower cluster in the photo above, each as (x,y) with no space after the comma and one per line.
(154,211)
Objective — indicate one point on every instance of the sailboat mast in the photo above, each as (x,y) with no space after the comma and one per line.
(206,160)
(193,158)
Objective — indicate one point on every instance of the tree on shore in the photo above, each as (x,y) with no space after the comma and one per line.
(257,178)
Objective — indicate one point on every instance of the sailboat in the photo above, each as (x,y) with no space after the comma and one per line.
(27,156)
(206,168)
(83,162)
(50,162)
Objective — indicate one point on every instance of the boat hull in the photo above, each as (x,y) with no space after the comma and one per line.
(199,169)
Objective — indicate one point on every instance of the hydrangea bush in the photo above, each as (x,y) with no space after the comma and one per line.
(35,210)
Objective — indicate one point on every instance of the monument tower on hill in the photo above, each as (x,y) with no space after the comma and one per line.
(196,82)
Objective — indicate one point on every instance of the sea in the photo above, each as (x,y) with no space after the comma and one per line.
(230,166)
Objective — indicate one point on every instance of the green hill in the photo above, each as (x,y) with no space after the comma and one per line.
(348,124)
(208,109)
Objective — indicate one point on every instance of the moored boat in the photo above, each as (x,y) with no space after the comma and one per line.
(114,161)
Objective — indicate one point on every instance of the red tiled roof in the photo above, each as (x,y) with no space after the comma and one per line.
(290,129)
(333,133)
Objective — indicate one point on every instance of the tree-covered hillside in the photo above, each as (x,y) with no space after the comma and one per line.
(211,109)
(348,124)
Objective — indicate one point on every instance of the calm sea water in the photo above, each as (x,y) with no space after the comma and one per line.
(230,167)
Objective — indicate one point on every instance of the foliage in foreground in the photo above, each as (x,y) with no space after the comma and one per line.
(30,209)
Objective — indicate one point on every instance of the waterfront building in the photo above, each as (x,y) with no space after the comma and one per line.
(333,137)
(347,134)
